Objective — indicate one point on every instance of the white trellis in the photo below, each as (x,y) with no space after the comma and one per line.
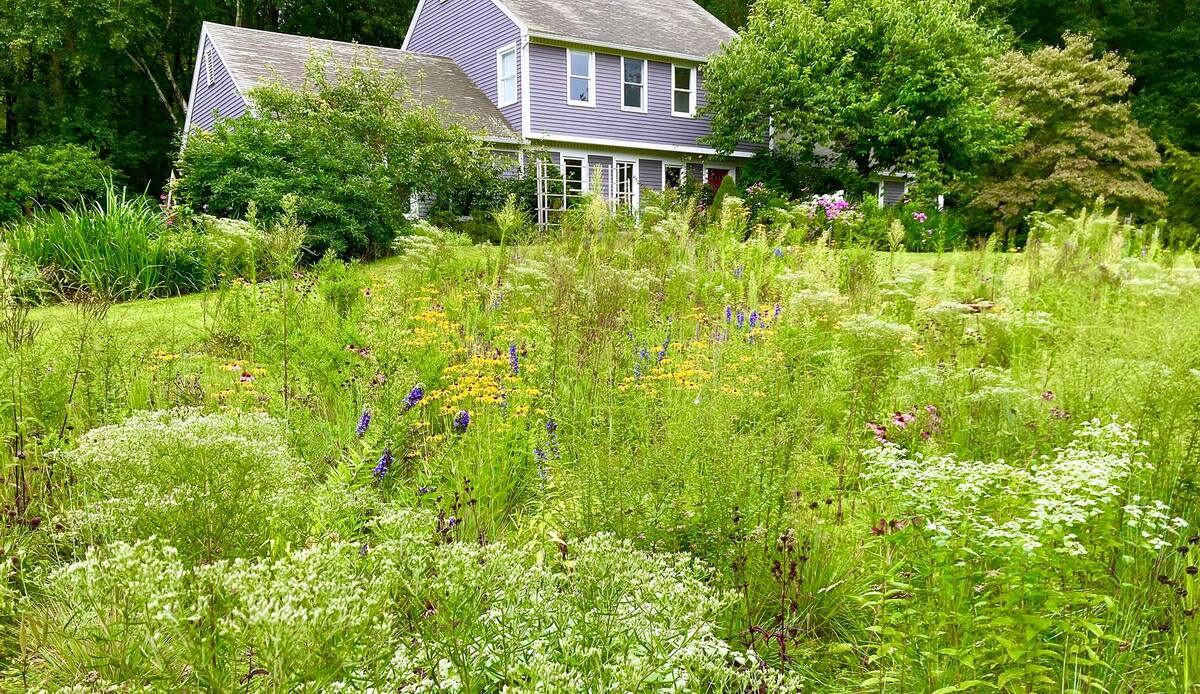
(615,183)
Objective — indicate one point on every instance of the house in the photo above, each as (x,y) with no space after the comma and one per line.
(609,91)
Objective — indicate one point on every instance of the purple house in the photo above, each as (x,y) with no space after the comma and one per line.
(609,91)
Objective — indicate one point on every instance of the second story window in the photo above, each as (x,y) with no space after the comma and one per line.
(580,71)
(506,76)
(683,91)
(633,84)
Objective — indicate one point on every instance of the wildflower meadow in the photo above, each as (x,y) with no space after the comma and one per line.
(677,451)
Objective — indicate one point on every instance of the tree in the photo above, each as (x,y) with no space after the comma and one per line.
(1082,142)
(350,143)
(885,84)
(42,175)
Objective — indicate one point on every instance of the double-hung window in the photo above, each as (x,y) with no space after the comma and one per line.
(633,84)
(683,91)
(581,70)
(573,172)
(506,76)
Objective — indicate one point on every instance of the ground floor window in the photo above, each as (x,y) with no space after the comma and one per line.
(626,188)
(673,176)
(573,174)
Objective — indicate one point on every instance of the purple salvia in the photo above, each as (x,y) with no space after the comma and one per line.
(513,360)
(364,422)
(414,396)
(385,462)
(462,420)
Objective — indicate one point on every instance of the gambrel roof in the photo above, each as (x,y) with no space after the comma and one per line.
(679,28)
(252,57)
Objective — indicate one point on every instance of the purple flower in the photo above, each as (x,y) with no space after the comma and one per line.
(778,252)
(462,420)
(512,359)
(662,353)
(414,396)
(778,309)
(552,432)
(741,320)
(1047,395)
(728,314)
(920,217)
(364,421)
(754,319)
(737,271)
(423,490)
(385,462)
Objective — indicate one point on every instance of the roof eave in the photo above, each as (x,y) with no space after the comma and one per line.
(536,34)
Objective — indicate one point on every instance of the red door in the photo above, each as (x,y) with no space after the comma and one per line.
(715,176)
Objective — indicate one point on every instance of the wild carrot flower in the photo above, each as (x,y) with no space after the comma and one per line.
(364,421)
(414,396)
(385,462)
(462,420)
(513,361)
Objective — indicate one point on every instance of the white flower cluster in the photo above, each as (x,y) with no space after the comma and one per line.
(1056,501)
(406,613)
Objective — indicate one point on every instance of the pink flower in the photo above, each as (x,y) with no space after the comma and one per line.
(879,431)
(1047,395)
(920,217)
(902,419)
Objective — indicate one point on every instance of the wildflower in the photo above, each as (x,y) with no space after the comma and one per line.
(920,217)
(879,431)
(662,353)
(728,313)
(902,419)
(1047,395)
(552,432)
(754,319)
(778,252)
(1058,413)
(385,462)
(737,271)
(462,420)
(364,421)
(513,362)
(778,309)
(246,377)
(414,396)
(741,320)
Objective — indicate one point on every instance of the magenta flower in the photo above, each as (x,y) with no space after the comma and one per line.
(920,217)
(879,431)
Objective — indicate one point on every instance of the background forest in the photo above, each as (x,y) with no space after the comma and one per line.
(113,75)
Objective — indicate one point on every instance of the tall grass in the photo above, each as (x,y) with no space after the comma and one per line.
(115,248)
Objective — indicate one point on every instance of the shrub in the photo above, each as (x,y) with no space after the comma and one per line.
(212,486)
(350,145)
(49,175)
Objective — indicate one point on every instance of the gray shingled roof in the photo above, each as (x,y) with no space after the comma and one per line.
(672,27)
(252,56)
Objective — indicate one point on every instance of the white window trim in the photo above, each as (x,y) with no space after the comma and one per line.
(591,102)
(691,94)
(682,173)
(645,85)
(500,53)
(208,72)
(562,165)
(635,200)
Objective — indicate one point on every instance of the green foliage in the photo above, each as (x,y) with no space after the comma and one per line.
(350,143)
(41,175)
(884,85)
(211,486)
(127,247)
(1082,141)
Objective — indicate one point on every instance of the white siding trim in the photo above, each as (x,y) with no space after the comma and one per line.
(639,146)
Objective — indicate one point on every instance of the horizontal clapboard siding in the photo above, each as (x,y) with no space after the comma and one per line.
(550,115)
(221,99)
(470,32)
(650,174)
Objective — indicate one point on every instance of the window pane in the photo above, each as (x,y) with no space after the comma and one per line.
(573,172)
(580,64)
(508,89)
(634,70)
(508,63)
(683,78)
(683,102)
(580,88)
(633,96)
(674,176)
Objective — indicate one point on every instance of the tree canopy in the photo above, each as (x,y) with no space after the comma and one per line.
(883,84)
(1082,141)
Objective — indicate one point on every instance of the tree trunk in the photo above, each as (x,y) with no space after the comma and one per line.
(162,97)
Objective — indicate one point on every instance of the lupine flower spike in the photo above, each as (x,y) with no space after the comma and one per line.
(462,420)
(385,462)
(414,396)
(513,361)
(364,422)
